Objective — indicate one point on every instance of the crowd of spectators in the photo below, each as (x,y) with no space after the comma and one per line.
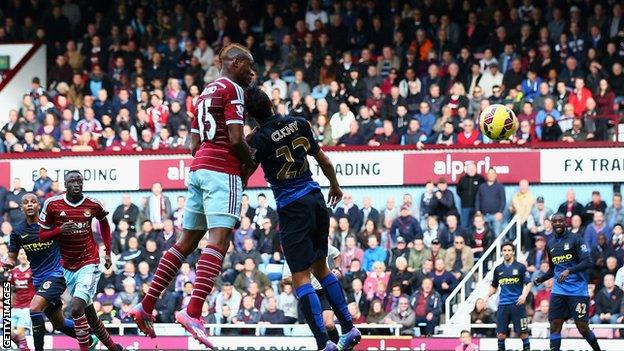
(125,76)
(397,265)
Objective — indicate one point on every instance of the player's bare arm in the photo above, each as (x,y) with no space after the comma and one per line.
(335,193)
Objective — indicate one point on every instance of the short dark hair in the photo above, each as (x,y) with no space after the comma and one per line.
(258,105)
(510,244)
(72,171)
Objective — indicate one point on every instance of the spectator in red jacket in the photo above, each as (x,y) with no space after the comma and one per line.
(469,136)
(578,97)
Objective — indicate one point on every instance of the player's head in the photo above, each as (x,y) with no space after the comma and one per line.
(558,223)
(509,251)
(237,62)
(30,205)
(73,182)
(22,258)
(258,104)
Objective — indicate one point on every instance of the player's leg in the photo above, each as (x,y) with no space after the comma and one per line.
(502,325)
(221,196)
(20,322)
(310,306)
(300,253)
(521,325)
(555,334)
(84,287)
(333,290)
(579,307)
(328,317)
(48,301)
(194,229)
(37,306)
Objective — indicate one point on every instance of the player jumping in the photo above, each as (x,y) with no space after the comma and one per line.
(569,258)
(283,144)
(221,164)
(47,274)
(67,218)
(515,284)
(22,281)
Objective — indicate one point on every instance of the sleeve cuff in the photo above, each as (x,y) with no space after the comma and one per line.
(234,121)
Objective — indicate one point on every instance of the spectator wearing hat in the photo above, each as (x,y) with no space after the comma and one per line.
(539,213)
(490,201)
(596,204)
(537,255)
(443,201)
(491,77)
(401,250)
(406,225)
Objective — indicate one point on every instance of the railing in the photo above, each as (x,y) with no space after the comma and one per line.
(481,266)
(172,329)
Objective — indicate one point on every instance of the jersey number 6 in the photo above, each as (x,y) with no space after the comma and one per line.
(285,172)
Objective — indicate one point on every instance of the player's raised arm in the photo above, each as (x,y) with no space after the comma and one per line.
(335,194)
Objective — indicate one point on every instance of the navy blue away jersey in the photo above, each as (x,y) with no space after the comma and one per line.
(283,145)
(563,253)
(44,257)
(512,279)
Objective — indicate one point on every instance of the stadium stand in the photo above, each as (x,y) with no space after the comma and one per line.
(397,76)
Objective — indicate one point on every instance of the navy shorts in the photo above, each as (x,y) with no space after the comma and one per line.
(514,314)
(51,290)
(566,307)
(304,225)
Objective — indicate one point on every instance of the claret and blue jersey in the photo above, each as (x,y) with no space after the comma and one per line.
(564,253)
(283,144)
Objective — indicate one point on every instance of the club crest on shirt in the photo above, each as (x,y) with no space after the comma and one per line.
(514,272)
(63,214)
(566,246)
(87,213)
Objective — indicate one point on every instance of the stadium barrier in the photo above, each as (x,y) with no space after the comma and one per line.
(368,343)
(27,60)
(391,166)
